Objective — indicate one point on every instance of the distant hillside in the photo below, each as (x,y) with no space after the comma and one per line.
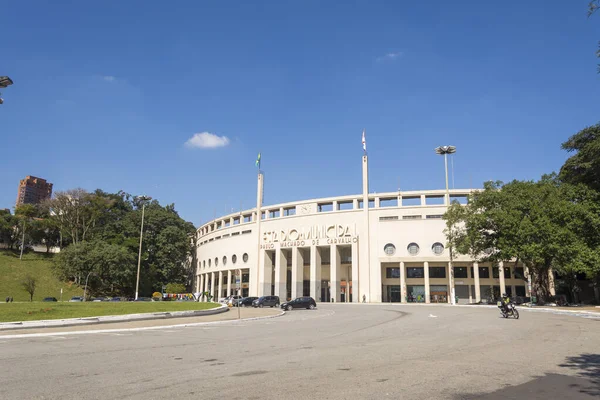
(13,271)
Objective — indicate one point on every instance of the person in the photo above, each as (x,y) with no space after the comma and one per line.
(505,302)
(7,299)
(364,298)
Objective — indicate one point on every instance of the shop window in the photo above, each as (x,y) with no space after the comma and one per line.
(437,272)
(392,272)
(415,272)
(460,272)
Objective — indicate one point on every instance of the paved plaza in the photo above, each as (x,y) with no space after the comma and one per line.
(335,352)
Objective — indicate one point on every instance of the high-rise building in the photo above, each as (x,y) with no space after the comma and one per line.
(33,190)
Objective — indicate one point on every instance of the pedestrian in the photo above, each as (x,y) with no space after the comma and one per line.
(364,298)
(11,299)
(7,299)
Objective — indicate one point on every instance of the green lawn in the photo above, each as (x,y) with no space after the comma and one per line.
(13,270)
(13,312)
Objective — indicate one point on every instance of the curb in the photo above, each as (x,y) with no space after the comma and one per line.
(62,323)
(145,328)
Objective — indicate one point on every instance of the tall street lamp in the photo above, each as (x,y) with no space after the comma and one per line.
(85,288)
(445,150)
(143,199)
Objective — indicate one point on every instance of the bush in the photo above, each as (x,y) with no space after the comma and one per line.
(175,288)
(157,296)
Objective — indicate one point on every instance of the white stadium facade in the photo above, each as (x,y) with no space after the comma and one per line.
(373,247)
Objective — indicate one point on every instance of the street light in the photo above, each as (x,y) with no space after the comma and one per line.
(137,282)
(5,81)
(445,150)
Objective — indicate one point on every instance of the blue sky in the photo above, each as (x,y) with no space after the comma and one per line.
(107,94)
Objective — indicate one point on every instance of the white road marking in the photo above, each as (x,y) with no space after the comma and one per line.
(432,316)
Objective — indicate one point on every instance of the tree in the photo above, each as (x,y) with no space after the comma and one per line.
(175,288)
(584,165)
(8,234)
(24,214)
(593,6)
(29,284)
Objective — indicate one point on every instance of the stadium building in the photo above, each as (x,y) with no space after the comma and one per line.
(383,247)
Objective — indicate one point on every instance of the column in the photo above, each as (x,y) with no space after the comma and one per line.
(470,295)
(220,285)
(297,273)
(315,273)
(280,274)
(402,282)
(228,282)
(427,291)
(477,285)
(201,289)
(265,273)
(335,264)
(528,286)
(354,283)
(212,284)
(197,283)
(501,275)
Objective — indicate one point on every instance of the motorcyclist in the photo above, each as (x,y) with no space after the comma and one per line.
(505,302)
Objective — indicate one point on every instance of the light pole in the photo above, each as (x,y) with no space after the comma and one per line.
(5,81)
(85,288)
(445,150)
(137,282)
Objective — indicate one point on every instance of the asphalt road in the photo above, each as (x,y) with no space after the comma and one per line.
(334,352)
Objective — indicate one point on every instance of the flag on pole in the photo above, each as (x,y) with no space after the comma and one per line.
(258,161)
(364,142)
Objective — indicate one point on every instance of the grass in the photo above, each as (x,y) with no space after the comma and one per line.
(13,271)
(32,311)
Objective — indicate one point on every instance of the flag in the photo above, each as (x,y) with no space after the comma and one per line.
(258,161)
(364,142)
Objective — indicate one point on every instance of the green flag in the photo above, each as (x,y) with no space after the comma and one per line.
(258,161)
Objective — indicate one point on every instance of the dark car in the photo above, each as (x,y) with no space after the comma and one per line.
(244,302)
(143,299)
(266,301)
(116,299)
(300,302)
(49,299)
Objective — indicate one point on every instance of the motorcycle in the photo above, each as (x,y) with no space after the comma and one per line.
(508,310)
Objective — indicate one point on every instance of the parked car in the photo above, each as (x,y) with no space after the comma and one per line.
(266,301)
(144,299)
(232,301)
(49,299)
(117,299)
(244,302)
(97,299)
(300,302)
(76,299)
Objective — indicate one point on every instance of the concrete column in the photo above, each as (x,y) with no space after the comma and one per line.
(354,282)
(402,282)
(335,205)
(377,202)
(423,200)
(335,264)
(528,286)
(280,212)
(315,273)
(502,280)
(228,282)
(355,204)
(297,273)
(201,289)
(220,284)
(477,285)
(427,290)
(280,274)
(470,295)
(265,273)
(212,285)
(197,283)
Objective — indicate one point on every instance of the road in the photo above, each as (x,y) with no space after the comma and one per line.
(334,352)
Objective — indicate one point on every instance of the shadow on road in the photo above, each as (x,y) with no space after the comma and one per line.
(586,366)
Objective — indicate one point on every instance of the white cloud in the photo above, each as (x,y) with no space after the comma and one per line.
(109,78)
(390,56)
(207,140)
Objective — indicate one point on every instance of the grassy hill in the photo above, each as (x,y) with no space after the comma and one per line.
(13,271)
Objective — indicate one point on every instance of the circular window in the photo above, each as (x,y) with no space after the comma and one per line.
(233,258)
(437,248)
(224,260)
(209,263)
(389,249)
(413,249)
(216,261)
(245,257)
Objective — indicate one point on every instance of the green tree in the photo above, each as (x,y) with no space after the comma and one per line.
(8,233)
(29,284)
(584,165)
(175,288)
